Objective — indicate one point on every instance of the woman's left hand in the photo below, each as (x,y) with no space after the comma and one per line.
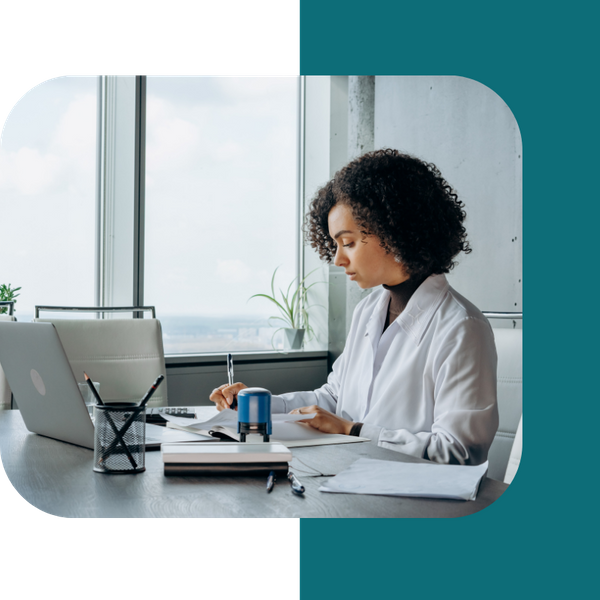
(324,420)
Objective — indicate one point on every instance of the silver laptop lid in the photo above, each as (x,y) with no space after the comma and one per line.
(42,382)
(40,377)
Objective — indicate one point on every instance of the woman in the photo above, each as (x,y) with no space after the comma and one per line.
(418,372)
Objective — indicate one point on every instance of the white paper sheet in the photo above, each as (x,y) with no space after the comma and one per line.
(285,429)
(229,418)
(424,480)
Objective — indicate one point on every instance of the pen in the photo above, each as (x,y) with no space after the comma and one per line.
(270,482)
(93,388)
(151,391)
(297,487)
(230,378)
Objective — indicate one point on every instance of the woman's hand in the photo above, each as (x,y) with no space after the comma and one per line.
(223,396)
(324,420)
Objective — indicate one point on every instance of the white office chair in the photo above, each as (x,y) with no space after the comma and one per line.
(5,393)
(515,454)
(509,345)
(124,355)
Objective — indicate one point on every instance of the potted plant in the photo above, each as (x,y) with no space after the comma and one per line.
(7,294)
(293,312)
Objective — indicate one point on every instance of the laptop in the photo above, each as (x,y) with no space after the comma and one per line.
(43,385)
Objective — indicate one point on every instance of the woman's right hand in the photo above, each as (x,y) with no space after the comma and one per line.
(223,396)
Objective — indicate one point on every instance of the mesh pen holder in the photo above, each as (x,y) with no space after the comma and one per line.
(120,437)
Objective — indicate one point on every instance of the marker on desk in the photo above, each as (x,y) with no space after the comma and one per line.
(230,378)
(270,482)
(297,487)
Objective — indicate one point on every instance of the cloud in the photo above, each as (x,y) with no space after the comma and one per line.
(28,171)
(169,138)
(233,271)
(70,159)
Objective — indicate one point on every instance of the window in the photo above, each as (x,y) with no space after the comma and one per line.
(47,195)
(221,200)
(221,207)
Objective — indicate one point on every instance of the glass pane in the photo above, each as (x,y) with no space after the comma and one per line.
(221,197)
(47,195)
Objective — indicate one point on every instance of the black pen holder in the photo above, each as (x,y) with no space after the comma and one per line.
(120,438)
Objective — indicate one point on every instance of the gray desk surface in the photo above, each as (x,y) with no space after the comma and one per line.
(58,479)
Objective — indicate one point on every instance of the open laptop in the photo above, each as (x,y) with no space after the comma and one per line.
(40,377)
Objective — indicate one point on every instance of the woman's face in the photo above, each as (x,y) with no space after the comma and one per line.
(362,257)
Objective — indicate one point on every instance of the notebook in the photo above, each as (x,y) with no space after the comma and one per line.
(40,377)
(225,458)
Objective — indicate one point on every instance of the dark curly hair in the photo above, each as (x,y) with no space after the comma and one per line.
(402,200)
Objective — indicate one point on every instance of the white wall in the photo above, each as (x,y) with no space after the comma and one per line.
(470,134)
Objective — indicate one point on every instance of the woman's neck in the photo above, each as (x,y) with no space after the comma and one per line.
(400,295)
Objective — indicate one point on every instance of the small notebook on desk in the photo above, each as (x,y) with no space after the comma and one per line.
(225,458)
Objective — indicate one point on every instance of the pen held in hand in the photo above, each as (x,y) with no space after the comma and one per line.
(230,379)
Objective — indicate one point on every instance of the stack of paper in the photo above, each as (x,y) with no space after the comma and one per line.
(424,480)
(286,430)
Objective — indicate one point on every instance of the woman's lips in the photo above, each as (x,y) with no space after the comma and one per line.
(351,275)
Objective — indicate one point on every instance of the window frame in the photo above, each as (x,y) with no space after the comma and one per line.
(137,235)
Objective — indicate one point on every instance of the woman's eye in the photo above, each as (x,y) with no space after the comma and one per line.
(349,245)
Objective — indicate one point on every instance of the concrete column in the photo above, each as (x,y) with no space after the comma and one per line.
(361,139)
(344,294)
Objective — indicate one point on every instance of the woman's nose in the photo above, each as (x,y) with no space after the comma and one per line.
(340,258)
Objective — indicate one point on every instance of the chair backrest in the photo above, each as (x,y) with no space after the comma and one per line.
(515,454)
(509,345)
(124,355)
(5,393)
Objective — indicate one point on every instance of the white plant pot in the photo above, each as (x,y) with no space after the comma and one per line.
(293,338)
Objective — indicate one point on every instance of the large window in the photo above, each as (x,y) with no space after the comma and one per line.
(202,170)
(221,207)
(47,195)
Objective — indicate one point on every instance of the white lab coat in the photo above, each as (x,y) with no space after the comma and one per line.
(427,384)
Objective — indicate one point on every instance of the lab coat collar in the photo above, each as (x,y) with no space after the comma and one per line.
(421,307)
(377,320)
(417,315)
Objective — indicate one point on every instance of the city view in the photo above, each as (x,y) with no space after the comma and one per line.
(192,334)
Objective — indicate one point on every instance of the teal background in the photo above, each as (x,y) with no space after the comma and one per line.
(536,540)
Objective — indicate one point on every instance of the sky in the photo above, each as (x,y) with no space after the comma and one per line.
(221,180)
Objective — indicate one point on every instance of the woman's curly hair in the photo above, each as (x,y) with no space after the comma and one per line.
(403,201)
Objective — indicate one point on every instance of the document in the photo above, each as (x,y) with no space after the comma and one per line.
(229,418)
(286,430)
(421,480)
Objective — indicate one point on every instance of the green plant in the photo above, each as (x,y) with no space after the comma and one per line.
(7,294)
(292,305)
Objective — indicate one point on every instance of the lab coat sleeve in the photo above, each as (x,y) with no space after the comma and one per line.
(465,411)
(326,396)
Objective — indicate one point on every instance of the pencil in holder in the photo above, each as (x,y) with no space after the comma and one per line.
(120,438)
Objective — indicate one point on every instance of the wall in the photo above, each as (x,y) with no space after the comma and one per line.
(470,134)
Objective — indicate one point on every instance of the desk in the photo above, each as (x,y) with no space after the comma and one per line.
(57,478)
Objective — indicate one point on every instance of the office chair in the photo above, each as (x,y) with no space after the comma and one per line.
(509,345)
(124,355)
(515,454)
(5,393)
